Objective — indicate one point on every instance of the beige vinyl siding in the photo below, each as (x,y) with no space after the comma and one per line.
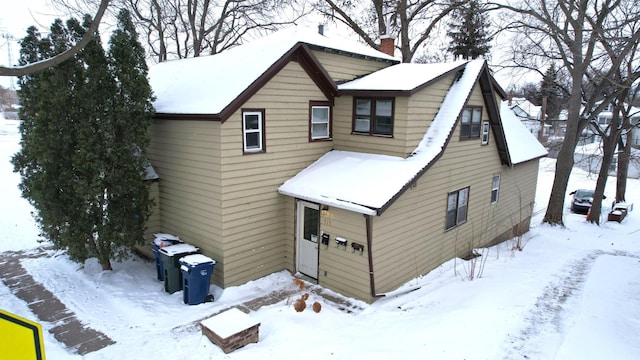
(344,140)
(255,229)
(343,68)
(410,239)
(412,116)
(342,269)
(186,156)
(422,108)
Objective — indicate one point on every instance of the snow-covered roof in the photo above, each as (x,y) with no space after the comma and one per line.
(207,84)
(229,322)
(366,183)
(524,108)
(522,145)
(400,77)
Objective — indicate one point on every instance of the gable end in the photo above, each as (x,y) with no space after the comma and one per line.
(484,79)
(298,53)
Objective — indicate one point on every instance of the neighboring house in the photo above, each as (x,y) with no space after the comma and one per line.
(604,119)
(330,159)
(528,113)
(588,157)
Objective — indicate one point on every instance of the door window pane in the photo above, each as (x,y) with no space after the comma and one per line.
(311,224)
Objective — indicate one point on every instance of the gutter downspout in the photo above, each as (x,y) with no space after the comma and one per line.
(372,281)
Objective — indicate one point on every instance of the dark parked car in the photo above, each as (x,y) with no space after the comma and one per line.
(582,199)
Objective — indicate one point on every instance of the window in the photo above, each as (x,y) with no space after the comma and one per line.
(320,120)
(495,188)
(457,202)
(470,122)
(373,116)
(485,133)
(253,131)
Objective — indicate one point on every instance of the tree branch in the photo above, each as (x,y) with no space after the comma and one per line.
(58,59)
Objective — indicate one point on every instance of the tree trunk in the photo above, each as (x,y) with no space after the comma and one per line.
(106,264)
(624,154)
(564,162)
(564,165)
(610,139)
(609,145)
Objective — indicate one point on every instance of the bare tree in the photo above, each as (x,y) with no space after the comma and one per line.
(571,33)
(622,79)
(53,61)
(413,22)
(190,28)
(625,144)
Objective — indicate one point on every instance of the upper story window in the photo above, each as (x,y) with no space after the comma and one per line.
(485,132)
(319,120)
(373,116)
(457,204)
(495,188)
(470,122)
(253,139)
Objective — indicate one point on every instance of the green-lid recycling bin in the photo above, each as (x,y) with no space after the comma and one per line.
(170,256)
(196,278)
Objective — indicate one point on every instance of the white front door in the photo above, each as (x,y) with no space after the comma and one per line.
(308,235)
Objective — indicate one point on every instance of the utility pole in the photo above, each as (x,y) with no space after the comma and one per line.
(12,89)
(542,119)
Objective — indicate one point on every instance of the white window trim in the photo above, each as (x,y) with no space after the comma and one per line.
(485,133)
(259,131)
(327,122)
(495,188)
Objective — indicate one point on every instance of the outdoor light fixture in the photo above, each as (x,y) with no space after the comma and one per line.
(325,211)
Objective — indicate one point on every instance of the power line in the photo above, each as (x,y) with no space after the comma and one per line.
(8,39)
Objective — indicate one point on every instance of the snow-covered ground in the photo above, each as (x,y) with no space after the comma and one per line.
(572,293)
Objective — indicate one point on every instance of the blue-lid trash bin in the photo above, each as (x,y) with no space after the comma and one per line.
(196,278)
(159,241)
(170,256)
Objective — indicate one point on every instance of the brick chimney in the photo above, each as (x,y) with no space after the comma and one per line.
(388,44)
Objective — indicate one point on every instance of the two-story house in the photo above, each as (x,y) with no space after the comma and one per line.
(328,158)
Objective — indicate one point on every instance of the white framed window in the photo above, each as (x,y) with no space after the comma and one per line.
(320,120)
(457,205)
(495,188)
(485,133)
(253,131)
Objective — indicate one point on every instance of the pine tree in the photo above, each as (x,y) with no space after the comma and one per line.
(549,88)
(47,135)
(128,195)
(468,31)
(82,161)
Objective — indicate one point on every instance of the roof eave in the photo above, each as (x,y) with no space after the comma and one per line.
(181,116)
(298,53)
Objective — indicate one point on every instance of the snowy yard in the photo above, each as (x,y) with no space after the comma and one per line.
(572,293)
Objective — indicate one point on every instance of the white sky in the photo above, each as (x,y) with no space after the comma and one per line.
(15,18)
